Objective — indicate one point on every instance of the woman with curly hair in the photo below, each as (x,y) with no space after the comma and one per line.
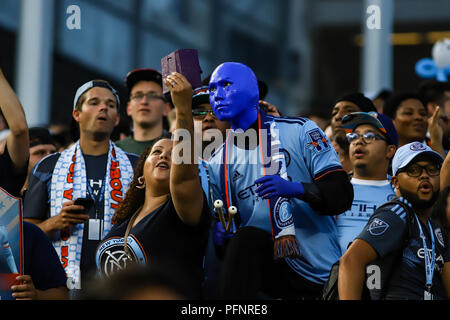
(164,216)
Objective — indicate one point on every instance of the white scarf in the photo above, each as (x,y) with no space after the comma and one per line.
(69,183)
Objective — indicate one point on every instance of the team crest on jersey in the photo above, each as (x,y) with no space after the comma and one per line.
(111,256)
(317,141)
(283,214)
(439,237)
(377,227)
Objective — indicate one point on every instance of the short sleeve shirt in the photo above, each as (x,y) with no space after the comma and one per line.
(386,231)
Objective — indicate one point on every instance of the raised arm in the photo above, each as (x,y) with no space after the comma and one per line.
(185,187)
(18,140)
(445,172)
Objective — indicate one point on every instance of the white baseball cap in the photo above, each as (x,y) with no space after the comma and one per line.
(405,154)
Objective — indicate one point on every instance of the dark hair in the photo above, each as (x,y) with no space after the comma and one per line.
(134,197)
(433,91)
(439,208)
(160,274)
(384,94)
(392,104)
(363,103)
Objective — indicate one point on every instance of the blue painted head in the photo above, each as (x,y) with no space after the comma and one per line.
(234,94)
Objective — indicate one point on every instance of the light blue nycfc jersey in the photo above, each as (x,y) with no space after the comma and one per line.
(308,155)
(368,196)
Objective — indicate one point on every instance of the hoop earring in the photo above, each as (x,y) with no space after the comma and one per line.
(141,182)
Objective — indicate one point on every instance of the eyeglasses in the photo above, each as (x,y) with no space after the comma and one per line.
(149,95)
(367,137)
(416,170)
(201,114)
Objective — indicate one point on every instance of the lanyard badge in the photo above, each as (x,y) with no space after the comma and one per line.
(96,225)
(429,259)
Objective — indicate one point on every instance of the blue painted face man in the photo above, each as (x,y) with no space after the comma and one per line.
(234,94)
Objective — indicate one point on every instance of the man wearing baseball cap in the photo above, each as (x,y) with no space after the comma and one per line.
(373,141)
(41,145)
(403,230)
(147,107)
(348,103)
(95,168)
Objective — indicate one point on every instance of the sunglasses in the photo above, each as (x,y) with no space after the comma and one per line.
(201,114)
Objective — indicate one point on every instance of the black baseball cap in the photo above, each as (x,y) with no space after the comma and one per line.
(39,135)
(145,74)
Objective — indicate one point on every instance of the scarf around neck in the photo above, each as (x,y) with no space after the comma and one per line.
(69,182)
(278,209)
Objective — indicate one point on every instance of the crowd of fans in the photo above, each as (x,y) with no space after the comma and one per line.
(127,219)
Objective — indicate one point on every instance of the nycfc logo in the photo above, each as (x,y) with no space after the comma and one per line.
(377,227)
(439,237)
(283,215)
(417,146)
(111,256)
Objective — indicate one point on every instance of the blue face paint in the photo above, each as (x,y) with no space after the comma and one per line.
(234,94)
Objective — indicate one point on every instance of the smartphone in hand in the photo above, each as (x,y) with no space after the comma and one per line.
(87,203)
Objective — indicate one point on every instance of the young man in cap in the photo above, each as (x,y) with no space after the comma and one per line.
(95,168)
(285,181)
(403,231)
(205,121)
(41,145)
(147,107)
(373,141)
(353,102)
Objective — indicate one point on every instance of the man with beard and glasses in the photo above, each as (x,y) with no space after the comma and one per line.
(405,231)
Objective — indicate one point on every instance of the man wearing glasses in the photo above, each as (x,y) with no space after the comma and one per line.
(405,232)
(372,143)
(147,107)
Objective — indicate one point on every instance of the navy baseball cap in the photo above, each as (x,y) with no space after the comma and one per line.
(200,96)
(91,84)
(378,120)
(405,154)
(144,74)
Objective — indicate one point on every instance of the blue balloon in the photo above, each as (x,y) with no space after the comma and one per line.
(234,94)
